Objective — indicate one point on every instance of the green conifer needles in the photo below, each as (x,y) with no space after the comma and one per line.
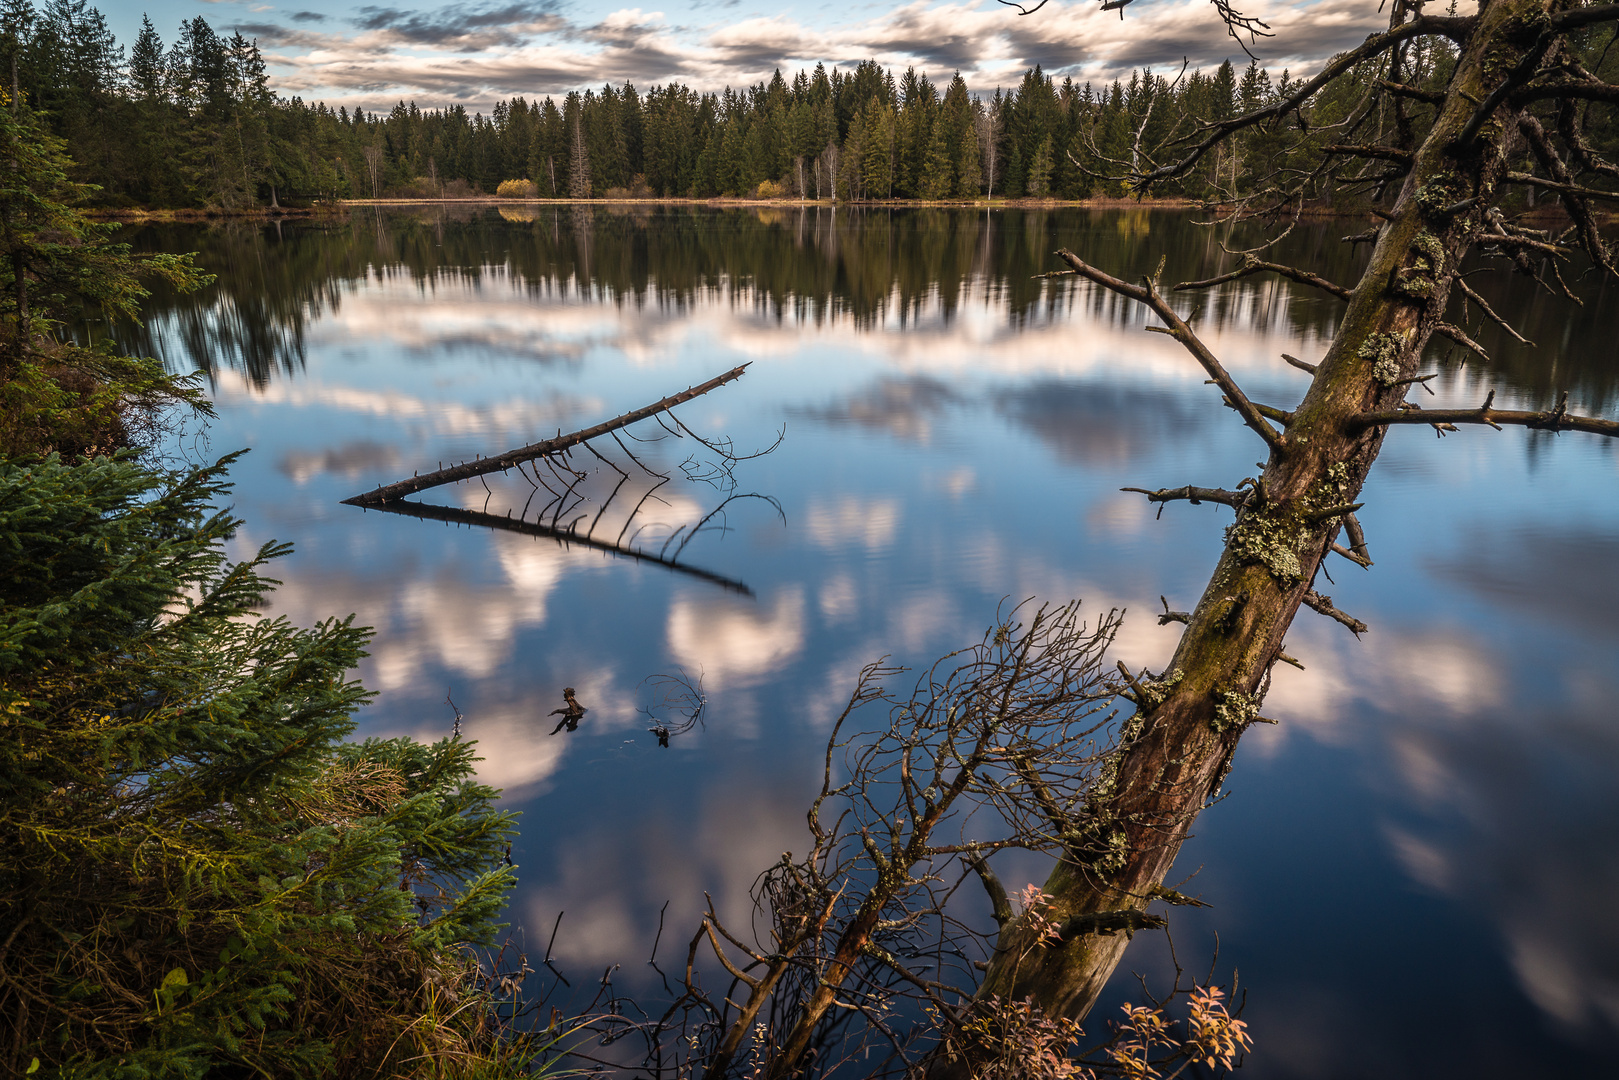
(197,875)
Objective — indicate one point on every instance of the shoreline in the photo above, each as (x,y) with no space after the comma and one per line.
(340,208)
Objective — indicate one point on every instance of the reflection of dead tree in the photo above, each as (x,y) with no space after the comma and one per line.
(565,536)
(548,466)
(677,706)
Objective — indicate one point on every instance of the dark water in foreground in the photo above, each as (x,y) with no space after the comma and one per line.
(1415,871)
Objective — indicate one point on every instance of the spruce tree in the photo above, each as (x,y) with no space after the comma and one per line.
(56,267)
(198,875)
(196,872)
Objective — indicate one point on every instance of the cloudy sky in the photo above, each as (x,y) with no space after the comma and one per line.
(476,52)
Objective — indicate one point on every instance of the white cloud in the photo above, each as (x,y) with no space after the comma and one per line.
(474,56)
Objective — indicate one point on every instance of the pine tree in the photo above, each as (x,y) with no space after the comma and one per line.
(56,265)
(196,872)
(938,171)
(877,156)
(146,73)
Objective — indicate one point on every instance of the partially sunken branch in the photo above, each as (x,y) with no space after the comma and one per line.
(513,458)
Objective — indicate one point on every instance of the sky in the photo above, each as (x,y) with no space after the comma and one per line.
(374,54)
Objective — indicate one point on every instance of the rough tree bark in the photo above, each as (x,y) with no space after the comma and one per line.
(1179,747)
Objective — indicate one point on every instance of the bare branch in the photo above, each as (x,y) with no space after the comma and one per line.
(999,904)
(1459,336)
(1567,88)
(1376,153)
(1194,495)
(1557,419)
(1251,265)
(1181,332)
(1590,237)
(1455,27)
(1431,97)
(1484,306)
(1323,604)
(1585,16)
(1553,185)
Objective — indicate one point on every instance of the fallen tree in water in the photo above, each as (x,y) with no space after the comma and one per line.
(546,448)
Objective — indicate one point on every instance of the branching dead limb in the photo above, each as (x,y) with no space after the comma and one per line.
(1531,180)
(1459,336)
(1484,306)
(998,743)
(1455,27)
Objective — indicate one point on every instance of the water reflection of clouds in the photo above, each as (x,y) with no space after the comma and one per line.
(1503,805)
(974,333)
(1095,425)
(905,407)
(1562,574)
(613,882)
(736,643)
(1518,818)
(1436,674)
(852,520)
(1497,807)
(441,415)
(490,315)
(348,460)
(514,731)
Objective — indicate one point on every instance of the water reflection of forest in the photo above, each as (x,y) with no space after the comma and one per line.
(875,266)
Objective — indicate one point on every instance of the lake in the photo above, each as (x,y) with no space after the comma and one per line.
(1415,871)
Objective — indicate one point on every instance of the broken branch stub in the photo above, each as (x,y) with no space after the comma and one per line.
(512,458)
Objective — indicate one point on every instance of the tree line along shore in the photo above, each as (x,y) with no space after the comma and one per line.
(194,124)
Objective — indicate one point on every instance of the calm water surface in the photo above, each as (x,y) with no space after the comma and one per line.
(1415,872)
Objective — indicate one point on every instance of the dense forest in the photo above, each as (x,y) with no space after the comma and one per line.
(195,122)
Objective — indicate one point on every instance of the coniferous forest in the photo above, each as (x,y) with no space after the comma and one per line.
(194,122)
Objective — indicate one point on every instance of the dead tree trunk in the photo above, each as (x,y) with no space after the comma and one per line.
(1178,747)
